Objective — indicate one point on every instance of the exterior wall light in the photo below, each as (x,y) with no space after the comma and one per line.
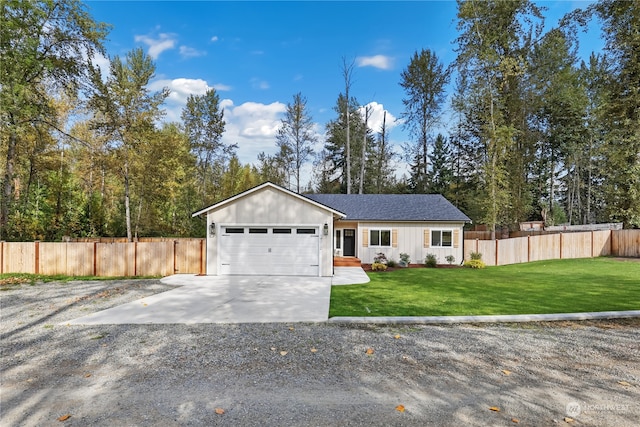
(325,229)
(212,229)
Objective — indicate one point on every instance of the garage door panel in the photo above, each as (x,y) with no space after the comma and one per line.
(270,253)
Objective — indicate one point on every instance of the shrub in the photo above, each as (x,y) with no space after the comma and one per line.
(474,263)
(378,266)
(405,259)
(431,261)
(450,259)
(475,256)
(380,258)
(391,263)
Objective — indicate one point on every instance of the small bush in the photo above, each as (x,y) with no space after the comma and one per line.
(450,259)
(378,266)
(431,261)
(380,258)
(475,256)
(391,263)
(474,263)
(405,259)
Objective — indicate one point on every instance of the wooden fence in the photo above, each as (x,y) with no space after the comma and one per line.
(158,258)
(623,243)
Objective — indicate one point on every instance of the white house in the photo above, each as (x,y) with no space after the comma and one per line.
(269,230)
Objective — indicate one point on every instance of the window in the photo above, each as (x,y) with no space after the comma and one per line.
(338,239)
(441,238)
(306,231)
(281,231)
(257,231)
(380,238)
(234,230)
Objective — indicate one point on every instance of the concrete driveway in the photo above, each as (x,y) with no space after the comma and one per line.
(231,299)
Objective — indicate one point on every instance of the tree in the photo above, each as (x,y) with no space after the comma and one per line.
(495,37)
(621,109)
(44,46)
(204,125)
(441,174)
(424,82)
(126,111)
(296,137)
(347,75)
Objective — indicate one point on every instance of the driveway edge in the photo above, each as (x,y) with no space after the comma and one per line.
(509,318)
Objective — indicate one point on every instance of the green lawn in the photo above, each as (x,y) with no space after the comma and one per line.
(558,286)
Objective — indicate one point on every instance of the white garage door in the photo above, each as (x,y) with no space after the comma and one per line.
(270,251)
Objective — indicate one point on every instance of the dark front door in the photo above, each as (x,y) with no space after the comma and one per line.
(349,242)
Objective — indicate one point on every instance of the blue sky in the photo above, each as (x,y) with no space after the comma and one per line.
(257,55)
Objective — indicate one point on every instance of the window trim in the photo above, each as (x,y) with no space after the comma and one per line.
(379,244)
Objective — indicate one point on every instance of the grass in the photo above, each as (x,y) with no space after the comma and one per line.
(557,286)
(9,279)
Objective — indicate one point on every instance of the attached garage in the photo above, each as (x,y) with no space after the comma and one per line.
(270,231)
(272,250)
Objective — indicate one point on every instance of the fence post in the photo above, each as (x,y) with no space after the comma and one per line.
(135,258)
(529,248)
(95,258)
(37,256)
(1,256)
(496,240)
(591,243)
(561,243)
(175,257)
(201,251)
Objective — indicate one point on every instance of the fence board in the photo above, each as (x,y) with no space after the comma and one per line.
(544,247)
(512,251)
(154,259)
(601,241)
(19,257)
(626,243)
(115,259)
(488,250)
(576,245)
(188,256)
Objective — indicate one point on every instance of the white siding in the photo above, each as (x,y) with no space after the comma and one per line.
(410,240)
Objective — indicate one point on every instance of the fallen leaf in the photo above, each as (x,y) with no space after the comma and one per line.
(64,417)
(400,408)
(219,411)
(144,305)
(506,372)
(494,409)
(87,375)
(369,350)
(568,420)
(515,420)
(283,353)
(624,383)
(273,349)
(397,337)
(314,350)
(292,329)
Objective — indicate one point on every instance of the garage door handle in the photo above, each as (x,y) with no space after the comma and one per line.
(269,250)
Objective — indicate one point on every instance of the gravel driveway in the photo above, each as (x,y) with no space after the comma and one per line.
(303,374)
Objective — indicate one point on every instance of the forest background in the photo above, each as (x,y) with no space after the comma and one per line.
(536,134)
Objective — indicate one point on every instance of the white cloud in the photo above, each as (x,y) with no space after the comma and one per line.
(189,52)
(222,87)
(376,116)
(102,62)
(214,39)
(377,61)
(157,46)
(252,126)
(180,89)
(259,84)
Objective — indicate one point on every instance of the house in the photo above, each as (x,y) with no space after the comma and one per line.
(269,230)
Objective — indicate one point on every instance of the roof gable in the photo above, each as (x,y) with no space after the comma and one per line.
(392,207)
(260,187)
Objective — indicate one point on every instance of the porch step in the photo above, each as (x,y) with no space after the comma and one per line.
(339,261)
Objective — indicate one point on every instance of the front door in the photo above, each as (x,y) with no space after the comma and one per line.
(349,242)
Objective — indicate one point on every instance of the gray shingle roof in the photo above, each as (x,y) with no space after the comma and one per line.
(392,207)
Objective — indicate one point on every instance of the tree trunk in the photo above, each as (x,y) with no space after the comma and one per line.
(127,207)
(364,151)
(8,178)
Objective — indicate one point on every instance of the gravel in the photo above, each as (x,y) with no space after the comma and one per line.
(303,374)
